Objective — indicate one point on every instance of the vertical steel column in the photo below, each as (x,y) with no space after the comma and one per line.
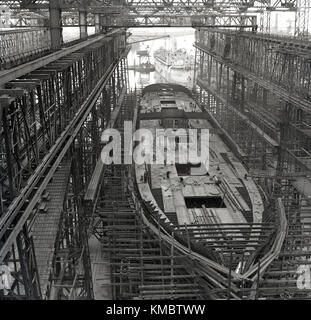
(28,266)
(254,24)
(195,69)
(82,24)
(106,22)
(8,153)
(55,24)
(84,273)
(265,20)
(97,23)
(302,18)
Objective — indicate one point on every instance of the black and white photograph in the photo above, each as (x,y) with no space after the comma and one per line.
(155,154)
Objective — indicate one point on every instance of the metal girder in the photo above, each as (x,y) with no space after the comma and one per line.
(159,19)
(182,21)
(146,6)
(186,13)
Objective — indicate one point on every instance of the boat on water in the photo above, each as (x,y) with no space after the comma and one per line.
(176,67)
(206,204)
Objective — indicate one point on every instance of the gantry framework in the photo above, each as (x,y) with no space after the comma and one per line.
(174,6)
(169,12)
(160,12)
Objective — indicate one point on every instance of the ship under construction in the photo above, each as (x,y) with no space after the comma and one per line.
(148,219)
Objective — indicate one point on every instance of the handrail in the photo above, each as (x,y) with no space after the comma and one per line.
(21,30)
(19,45)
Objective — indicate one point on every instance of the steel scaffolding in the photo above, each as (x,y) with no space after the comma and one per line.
(51,125)
(256,89)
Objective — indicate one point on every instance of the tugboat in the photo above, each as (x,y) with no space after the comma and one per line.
(144,64)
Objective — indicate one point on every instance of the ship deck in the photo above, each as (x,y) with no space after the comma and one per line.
(242,202)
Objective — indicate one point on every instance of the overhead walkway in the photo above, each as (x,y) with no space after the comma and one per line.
(46,224)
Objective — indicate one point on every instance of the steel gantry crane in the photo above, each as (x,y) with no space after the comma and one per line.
(158,12)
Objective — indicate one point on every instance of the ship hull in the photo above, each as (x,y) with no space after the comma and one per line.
(219,195)
(174,75)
